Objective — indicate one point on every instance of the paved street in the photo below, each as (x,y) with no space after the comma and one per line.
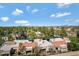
(74,53)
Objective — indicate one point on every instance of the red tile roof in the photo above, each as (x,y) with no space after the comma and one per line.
(58,43)
(33,45)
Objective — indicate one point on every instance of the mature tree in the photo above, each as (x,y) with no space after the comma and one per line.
(74,43)
(63,32)
(1,40)
(31,35)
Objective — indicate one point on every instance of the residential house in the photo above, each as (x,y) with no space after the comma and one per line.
(59,44)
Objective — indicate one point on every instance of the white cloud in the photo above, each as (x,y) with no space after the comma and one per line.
(63,14)
(22,22)
(68,20)
(4,19)
(1,6)
(60,5)
(17,12)
(53,15)
(26,24)
(58,24)
(71,20)
(77,20)
(35,10)
(57,15)
(28,8)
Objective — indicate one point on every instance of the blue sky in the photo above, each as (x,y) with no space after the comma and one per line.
(39,14)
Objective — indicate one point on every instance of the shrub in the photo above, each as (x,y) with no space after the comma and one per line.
(74,44)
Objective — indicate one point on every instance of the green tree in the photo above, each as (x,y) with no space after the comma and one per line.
(31,35)
(74,44)
(63,32)
(1,41)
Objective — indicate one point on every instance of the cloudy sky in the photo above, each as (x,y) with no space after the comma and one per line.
(40,14)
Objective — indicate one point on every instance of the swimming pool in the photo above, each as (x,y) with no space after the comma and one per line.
(21,41)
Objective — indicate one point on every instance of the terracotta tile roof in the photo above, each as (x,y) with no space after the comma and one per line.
(58,43)
(33,45)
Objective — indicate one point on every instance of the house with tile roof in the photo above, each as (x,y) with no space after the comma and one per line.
(60,44)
